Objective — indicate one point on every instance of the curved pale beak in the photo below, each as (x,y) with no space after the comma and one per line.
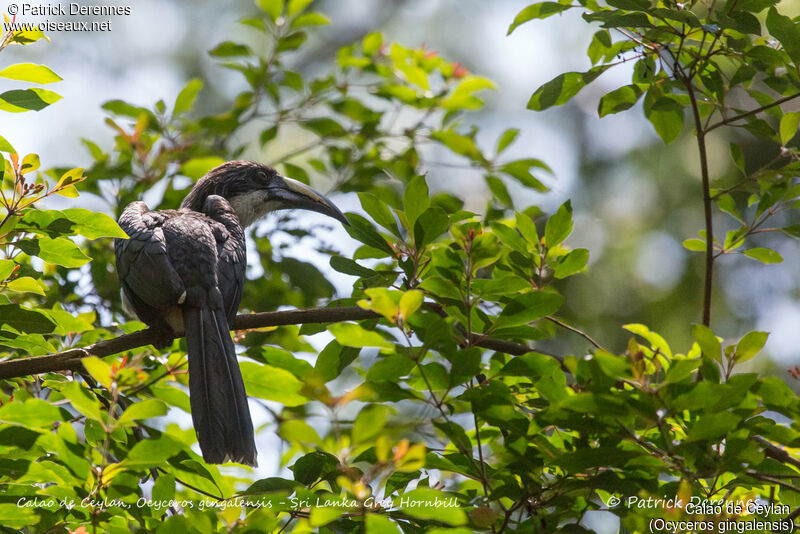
(292,194)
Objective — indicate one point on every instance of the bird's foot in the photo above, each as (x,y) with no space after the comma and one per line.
(162,337)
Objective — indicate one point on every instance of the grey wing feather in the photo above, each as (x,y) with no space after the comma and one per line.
(231,274)
(143,265)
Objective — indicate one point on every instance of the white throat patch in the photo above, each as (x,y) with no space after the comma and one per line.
(252,206)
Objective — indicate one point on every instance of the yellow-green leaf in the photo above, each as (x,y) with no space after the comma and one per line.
(272,383)
(145,409)
(197,167)
(99,370)
(694,244)
(789,123)
(30,72)
(29,163)
(410,302)
(354,335)
(750,345)
(764,255)
(25,284)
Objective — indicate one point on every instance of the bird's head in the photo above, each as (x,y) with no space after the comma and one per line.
(253,190)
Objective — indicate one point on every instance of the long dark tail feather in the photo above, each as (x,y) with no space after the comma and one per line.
(219,403)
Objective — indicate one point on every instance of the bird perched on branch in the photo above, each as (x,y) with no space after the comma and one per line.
(183,271)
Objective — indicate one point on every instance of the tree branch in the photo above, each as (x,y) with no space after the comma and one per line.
(706,181)
(735,118)
(70,360)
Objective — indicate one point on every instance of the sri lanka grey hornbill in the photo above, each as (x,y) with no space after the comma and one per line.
(183,271)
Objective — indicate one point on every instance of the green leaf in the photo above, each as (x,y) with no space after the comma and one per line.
(786,31)
(665,114)
(379,212)
(681,370)
(764,255)
(309,468)
(727,204)
(30,72)
(371,43)
(559,225)
(334,359)
(33,413)
(296,6)
(273,8)
(354,335)
(227,49)
(94,225)
(390,368)
(541,10)
(351,267)
(750,345)
(152,452)
(410,302)
(520,169)
(324,127)
(362,230)
(713,426)
(272,383)
(528,307)
(99,370)
(506,139)
(433,504)
(708,342)
(25,320)
(164,488)
(499,190)
(527,228)
(432,223)
(460,144)
(619,100)
(632,5)
(83,401)
(788,128)
(145,409)
(657,342)
(60,251)
(6,268)
(573,262)
(20,100)
(463,97)
(378,524)
(29,163)
(370,422)
(775,392)
(737,156)
(5,146)
(415,199)
(310,19)
(695,245)
(25,284)
(563,87)
(185,99)
(382,301)
(197,167)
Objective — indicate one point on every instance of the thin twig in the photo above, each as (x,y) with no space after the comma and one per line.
(581,333)
(765,107)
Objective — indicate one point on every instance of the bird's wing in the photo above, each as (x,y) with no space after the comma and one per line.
(231,252)
(231,266)
(144,268)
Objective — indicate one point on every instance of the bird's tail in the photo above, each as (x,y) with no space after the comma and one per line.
(219,403)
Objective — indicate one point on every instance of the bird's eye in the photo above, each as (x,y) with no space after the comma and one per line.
(262,176)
